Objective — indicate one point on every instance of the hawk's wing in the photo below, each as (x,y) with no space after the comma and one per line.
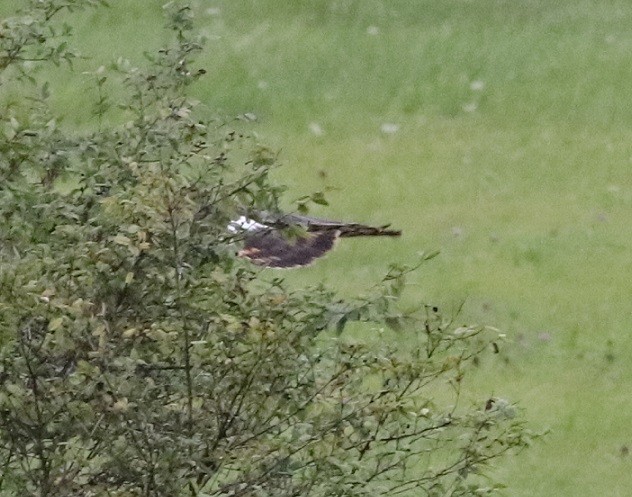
(314,224)
(271,248)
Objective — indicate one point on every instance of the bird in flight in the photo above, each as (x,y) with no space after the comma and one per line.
(292,240)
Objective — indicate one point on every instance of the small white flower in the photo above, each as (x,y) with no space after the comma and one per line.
(315,129)
(477,85)
(389,128)
(373,30)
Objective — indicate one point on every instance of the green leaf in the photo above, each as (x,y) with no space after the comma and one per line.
(319,198)
(121,240)
(55,324)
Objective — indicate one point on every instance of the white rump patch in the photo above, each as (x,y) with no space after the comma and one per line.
(245,224)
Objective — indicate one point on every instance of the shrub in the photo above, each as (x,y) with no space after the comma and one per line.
(141,358)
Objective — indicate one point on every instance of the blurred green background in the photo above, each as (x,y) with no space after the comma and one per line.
(497,131)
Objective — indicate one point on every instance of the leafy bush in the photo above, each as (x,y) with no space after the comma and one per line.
(141,358)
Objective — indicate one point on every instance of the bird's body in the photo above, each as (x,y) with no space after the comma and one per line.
(291,240)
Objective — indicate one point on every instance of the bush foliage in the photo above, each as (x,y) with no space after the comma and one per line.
(139,357)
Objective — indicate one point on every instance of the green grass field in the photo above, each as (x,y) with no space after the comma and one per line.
(497,131)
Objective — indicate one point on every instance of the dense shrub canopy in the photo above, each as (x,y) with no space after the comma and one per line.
(140,358)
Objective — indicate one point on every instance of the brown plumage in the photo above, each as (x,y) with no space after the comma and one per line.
(291,240)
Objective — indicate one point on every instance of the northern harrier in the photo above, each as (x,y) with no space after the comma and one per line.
(292,240)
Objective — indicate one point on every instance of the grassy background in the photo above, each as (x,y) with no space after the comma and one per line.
(512,155)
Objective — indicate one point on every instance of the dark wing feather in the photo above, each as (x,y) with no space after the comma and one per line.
(272,249)
(354,229)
